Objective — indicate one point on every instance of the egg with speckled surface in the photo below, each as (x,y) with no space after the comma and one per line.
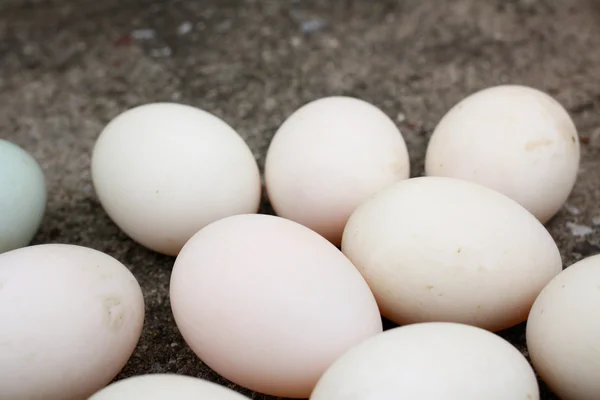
(22,196)
(445,249)
(70,319)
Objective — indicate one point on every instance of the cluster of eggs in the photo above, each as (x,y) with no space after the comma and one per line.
(291,305)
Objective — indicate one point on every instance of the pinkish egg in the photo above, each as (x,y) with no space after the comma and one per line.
(268,303)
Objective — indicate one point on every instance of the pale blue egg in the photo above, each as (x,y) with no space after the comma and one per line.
(22,196)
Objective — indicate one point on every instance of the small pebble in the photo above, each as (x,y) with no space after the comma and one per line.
(579,230)
(143,34)
(224,26)
(572,209)
(161,52)
(331,42)
(270,103)
(312,25)
(156,367)
(295,41)
(184,28)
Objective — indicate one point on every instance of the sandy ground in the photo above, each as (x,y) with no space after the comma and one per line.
(68,66)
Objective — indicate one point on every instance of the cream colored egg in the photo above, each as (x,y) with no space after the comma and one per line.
(444,249)
(166,387)
(163,171)
(563,332)
(268,303)
(514,139)
(430,361)
(70,318)
(328,157)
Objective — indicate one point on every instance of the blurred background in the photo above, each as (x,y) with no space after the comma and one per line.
(68,66)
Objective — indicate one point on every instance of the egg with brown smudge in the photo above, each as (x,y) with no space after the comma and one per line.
(514,139)
(70,318)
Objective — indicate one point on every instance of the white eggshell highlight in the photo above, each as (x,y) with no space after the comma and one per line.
(166,387)
(430,361)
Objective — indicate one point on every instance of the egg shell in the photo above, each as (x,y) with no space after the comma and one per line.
(514,139)
(70,319)
(444,249)
(430,361)
(563,332)
(328,157)
(268,303)
(166,387)
(163,171)
(22,196)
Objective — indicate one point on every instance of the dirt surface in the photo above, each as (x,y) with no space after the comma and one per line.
(68,66)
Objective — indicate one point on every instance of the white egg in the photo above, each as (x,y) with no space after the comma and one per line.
(166,387)
(514,139)
(328,157)
(563,332)
(444,249)
(163,171)
(430,361)
(70,318)
(269,304)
